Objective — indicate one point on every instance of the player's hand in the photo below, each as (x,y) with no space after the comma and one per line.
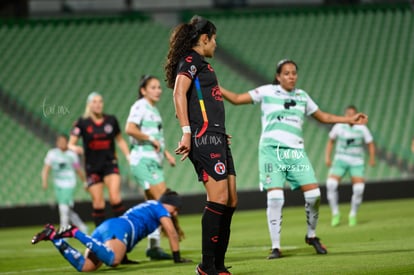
(77,149)
(157,145)
(359,118)
(170,158)
(184,146)
(328,162)
(372,162)
(182,261)
(229,139)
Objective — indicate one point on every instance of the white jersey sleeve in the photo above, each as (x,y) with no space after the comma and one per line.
(367,134)
(311,106)
(49,158)
(258,94)
(333,134)
(136,113)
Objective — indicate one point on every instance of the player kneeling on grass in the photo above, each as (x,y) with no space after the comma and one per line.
(111,240)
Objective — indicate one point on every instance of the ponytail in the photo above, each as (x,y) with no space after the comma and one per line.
(183,38)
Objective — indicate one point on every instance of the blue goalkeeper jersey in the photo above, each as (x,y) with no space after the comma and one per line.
(136,224)
(145,218)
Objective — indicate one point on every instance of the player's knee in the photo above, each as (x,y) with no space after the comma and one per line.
(331,184)
(275,198)
(358,188)
(89,267)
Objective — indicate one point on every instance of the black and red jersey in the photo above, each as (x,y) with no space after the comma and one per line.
(195,67)
(98,138)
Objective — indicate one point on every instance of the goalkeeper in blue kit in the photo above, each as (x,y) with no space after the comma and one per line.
(112,239)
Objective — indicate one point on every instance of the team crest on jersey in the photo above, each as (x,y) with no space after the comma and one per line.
(108,128)
(220,168)
(193,70)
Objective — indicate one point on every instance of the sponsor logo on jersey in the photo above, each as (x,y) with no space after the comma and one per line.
(215,155)
(220,168)
(189,59)
(349,141)
(210,68)
(289,103)
(99,144)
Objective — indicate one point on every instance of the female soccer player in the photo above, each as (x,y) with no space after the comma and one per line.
(349,156)
(144,126)
(281,147)
(200,110)
(99,131)
(112,239)
(64,163)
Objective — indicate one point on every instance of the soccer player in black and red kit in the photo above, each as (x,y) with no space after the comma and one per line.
(99,132)
(200,111)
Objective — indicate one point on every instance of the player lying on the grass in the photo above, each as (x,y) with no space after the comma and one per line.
(111,240)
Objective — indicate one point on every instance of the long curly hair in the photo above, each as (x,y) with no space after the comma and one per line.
(183,38)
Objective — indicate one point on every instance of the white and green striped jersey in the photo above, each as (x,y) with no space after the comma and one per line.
(283,114)
(148,119)
(350,142)
(63,164)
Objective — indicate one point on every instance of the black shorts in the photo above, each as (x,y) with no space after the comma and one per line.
(96,173)
(211,156)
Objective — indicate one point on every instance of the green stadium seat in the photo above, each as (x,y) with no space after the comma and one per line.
(345,57)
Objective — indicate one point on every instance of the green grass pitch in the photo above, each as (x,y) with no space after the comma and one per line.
(382,243)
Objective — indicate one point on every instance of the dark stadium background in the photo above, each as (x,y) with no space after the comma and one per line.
(55,52)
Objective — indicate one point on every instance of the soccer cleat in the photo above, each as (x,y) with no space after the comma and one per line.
(352,220)
(335,220)
(157,253)
(320,248)
(223,271)
(66,232)
(47,234)
(274,254)
(200,270)
(125,260)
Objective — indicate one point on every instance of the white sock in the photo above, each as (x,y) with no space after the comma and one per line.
(357,194)
(312,201)
(154,238)
(77,221)
(64,215)
(275,201)
(332,195)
